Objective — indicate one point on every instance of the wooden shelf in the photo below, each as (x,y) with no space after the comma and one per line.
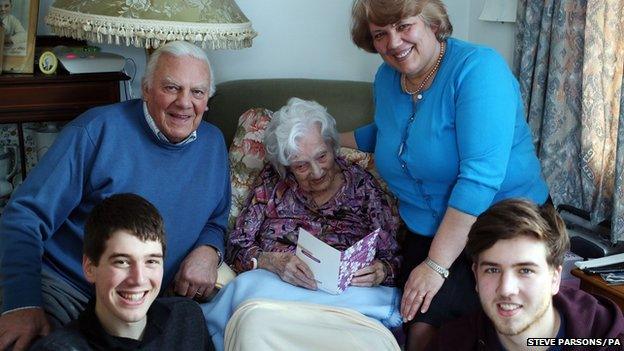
(594,284)
(40,98)
(26,98)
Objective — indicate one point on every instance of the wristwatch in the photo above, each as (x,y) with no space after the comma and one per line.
(437,268)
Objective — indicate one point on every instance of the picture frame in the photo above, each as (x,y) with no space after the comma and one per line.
(20,30)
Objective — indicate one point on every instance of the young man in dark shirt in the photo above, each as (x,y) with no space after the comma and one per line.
(124,248)
(517,249)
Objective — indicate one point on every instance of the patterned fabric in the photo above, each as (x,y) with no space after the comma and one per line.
(206,11)
(246,157)
(277,208)
(569,59)
(603,64)
(216,24)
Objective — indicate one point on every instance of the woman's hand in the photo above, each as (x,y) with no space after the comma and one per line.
(421,286)
(289,267)
(372,275)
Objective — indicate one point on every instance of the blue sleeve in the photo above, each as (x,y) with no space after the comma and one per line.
(36,210)
(366,137)
(213,233)
(486,106)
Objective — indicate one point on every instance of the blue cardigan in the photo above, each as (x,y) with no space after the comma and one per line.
(109,150)
(467,145)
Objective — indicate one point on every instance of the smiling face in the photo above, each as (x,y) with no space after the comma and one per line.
(177,95)
(127,279)
(314,166)
(410,45)
(516,285)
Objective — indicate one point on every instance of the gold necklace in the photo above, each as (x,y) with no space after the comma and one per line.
(429,75)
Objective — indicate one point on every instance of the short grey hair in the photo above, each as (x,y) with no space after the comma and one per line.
(177,49)
(289,124)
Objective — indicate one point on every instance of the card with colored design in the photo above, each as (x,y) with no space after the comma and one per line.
(334,269)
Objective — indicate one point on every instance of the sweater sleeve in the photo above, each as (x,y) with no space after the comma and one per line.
(366,137)
(213,233)
(486,107)
(37,209)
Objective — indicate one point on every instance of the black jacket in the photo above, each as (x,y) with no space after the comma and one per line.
(173,323)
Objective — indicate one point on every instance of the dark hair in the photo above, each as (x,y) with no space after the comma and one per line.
(384,12)
(128,212)
(512,218)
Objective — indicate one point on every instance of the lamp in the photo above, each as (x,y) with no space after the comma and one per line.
(213,24)
(499,11)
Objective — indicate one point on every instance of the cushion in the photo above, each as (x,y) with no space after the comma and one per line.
(247,157)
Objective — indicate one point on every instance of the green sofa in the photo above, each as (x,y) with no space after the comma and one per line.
(350,103)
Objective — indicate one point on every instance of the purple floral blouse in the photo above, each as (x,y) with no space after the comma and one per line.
(276,208)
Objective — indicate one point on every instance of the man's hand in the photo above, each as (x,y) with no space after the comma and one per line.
(289,267)
(20,328)
(198,273)
(372,275)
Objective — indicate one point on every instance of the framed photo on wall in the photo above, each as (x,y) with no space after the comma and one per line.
(19,20)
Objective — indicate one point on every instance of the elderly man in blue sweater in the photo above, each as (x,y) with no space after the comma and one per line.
(158,148)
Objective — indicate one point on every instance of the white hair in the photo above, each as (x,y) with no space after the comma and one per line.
(177,49)
(289,124)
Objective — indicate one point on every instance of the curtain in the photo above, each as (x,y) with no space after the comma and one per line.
(569,60)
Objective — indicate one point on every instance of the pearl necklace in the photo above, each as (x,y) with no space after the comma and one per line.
(429,75)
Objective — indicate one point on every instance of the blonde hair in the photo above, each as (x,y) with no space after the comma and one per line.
(384,12)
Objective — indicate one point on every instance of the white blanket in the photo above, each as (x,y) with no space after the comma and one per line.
(268,325)
(380,303)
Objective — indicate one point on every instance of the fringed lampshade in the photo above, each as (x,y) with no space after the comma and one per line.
(213,24)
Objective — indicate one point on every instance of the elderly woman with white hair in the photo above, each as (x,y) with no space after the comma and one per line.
(308,185)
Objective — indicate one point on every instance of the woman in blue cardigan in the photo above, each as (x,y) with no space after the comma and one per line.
(450,139)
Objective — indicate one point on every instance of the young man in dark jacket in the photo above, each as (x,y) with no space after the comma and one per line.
(517,250)
(124,247)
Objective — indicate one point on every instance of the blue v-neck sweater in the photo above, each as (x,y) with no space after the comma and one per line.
(110,150)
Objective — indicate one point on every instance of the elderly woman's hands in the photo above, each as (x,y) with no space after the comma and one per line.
(289,267)
(372,275)
(421,286)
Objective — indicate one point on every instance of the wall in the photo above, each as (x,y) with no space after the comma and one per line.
(494,34)
(310,39)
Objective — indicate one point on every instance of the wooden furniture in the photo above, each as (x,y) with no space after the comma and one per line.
(60,97)
(596,285)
